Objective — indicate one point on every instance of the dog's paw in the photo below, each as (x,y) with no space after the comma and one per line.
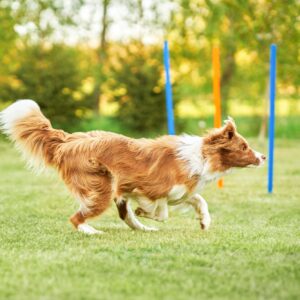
(142,214)
(205,222)
(147,228)
(87,229)
(139,212)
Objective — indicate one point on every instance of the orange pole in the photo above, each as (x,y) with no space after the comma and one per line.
(217,92)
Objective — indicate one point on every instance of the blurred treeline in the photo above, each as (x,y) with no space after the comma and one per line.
(98,63)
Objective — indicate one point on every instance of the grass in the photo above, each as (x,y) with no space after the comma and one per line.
(252,250)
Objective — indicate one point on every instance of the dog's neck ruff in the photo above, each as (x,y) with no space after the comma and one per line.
(190,151)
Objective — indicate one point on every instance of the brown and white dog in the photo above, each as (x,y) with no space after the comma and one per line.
(98,166)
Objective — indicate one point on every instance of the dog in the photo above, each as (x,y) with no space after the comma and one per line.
(98,166)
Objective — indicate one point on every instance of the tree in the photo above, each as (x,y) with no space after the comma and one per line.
(7,33)
(138,88)
(238,27)
(101,56)
(51,76)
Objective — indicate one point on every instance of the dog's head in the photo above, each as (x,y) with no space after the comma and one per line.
(225,148)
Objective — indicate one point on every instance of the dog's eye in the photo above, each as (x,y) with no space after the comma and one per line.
(244,147)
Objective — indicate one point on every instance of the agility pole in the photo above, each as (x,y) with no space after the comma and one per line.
(217,93)
(169,99)
(273,54)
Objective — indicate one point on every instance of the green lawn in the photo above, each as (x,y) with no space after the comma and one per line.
(252,250)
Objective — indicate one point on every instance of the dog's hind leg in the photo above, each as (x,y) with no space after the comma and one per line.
(127,215)
(201,209)
(95,203)
(80,217)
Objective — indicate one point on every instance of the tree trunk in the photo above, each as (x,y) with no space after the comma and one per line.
(101,56)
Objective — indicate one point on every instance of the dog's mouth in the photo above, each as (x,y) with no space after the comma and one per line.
(259,161)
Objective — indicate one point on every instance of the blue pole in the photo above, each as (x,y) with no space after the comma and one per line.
(273,50)
(169,100)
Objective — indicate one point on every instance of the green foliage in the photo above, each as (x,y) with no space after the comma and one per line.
(138,87)
(51,76)
(242,29)
(7,33)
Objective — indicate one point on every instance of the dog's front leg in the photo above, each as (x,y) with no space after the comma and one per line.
(146,208)
(201,209)
(157,211)
(127,215)
(162,211)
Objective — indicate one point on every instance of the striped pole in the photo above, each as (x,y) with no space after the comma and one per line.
(273,53)
(217,92)
(169,100)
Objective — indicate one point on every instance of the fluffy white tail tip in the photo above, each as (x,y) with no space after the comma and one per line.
(16,111)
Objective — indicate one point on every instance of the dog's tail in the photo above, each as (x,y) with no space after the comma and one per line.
(32,133)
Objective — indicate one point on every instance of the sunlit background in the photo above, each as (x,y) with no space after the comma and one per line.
(99,64)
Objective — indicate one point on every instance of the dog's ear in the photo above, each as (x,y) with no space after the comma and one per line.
(229,129)
(226,132)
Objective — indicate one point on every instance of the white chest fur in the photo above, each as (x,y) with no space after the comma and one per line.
(189,150)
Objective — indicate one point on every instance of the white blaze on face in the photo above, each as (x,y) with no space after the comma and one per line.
(260,157)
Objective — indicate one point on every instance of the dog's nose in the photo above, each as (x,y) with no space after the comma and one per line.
(263,157)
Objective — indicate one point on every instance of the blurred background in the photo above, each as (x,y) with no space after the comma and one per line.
(98,64)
